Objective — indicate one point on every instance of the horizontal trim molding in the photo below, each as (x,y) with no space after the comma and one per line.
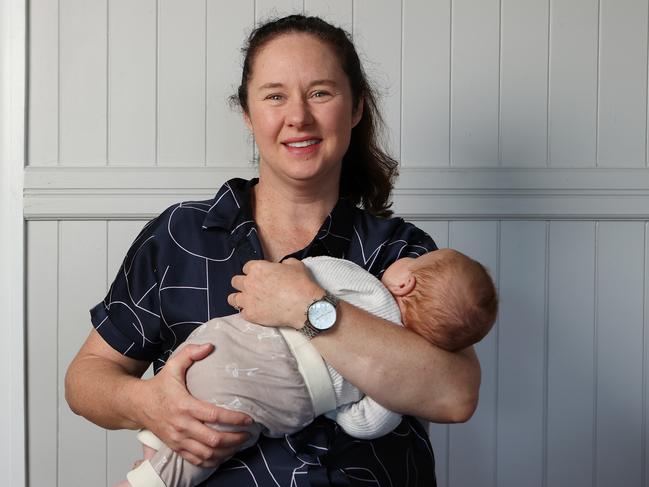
(82,193)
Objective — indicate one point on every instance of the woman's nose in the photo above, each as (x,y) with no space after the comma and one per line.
(299,113)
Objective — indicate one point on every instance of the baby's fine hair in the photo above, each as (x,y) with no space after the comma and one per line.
(454,303)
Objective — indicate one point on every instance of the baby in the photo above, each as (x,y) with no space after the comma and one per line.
(278,378)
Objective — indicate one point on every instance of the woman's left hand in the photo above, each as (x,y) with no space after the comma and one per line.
(274,294)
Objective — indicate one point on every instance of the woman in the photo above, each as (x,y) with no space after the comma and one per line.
(306,100)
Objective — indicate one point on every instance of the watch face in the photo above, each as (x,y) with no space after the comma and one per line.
(322,314)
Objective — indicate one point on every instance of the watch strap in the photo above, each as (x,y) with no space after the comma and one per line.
(309,331)
(331,298)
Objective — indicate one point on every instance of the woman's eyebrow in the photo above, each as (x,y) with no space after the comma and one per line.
(274,85)
(329,82)
(270,86)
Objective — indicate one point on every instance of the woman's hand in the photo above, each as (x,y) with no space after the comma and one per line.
(274,294)
(178,419)
(105,387)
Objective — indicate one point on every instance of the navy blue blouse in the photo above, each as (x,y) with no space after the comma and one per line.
(176,276)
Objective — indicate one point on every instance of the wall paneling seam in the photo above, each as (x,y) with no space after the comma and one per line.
(157,84)
(58,348)
(497,358)
(450,84)
(108,84)
(401,50)
(644,475)
(595,354)
(500,82)
(547,88)
(646,86)
(58,83)
(546,351)
(599,72)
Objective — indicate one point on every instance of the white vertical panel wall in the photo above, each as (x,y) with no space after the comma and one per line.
(132,75)
(425,117)
(524,82)
(521,354)
(619,353)
(83,81)
(475,79)
(622,83)
(42,347)
(521,126)
(571,353)
(227,141)
(181,82)
(573,83)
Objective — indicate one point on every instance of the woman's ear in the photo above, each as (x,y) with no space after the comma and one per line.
(404,286)
(358,112)
(246,120)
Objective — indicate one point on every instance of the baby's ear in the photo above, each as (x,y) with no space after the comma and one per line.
(404,286)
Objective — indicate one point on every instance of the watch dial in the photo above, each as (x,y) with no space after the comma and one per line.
(322,315)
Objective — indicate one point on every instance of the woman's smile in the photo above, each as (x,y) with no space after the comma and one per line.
(302,146)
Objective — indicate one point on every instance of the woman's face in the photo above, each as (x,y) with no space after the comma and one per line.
(300,111)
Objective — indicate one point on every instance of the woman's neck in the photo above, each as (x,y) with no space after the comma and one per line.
(287,221)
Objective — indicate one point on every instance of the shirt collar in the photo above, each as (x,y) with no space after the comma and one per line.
(334,235)
(231,208)
(232,205)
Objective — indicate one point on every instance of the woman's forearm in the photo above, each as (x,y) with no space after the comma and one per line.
(100,393)
(103,390)
(401,370)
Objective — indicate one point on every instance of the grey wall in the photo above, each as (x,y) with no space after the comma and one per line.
(521,126)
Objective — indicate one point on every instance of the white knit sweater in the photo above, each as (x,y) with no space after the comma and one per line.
(359,415)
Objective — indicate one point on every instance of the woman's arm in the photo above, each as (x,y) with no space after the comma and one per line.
(105,387)
(399,369)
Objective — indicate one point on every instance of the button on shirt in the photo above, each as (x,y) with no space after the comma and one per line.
(176,276)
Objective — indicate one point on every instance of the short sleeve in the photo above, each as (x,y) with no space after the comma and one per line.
(128,318)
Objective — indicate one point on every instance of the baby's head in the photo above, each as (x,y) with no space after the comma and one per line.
(444,296)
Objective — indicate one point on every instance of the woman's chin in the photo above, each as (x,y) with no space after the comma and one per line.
(306,172)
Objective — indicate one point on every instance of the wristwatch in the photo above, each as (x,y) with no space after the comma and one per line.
(321,315)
